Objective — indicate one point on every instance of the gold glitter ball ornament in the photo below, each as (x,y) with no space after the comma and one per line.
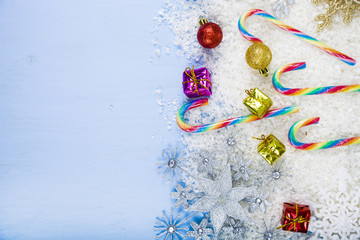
(258,56)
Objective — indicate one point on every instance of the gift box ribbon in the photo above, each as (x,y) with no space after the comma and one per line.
(196,81)
(296,220)
(263,138)
(250,93)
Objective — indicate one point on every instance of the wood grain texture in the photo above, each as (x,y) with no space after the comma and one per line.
(77,158)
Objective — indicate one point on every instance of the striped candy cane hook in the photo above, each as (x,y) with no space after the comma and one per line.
(307,91)
(283,26)
(228,122)
(319,145)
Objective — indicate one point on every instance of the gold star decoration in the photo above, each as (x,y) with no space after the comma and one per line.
(348,8)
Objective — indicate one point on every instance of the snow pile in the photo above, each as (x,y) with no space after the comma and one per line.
(328,180)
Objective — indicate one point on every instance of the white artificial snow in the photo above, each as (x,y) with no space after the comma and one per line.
(328,180)
(167,108)
(167,50)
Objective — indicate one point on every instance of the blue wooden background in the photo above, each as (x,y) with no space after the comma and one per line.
(80,131)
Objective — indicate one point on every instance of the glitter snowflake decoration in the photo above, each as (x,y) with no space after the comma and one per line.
(269,232)
(234,230)
(171,165)
(222,200)
(182,196)
(349,9)
(242,169)
(282,7)
(201,231)
(206,162)
(168,227)
(337,213)
(276,177)
(231,140)
(258,201)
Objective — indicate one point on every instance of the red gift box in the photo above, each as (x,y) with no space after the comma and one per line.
(295,218)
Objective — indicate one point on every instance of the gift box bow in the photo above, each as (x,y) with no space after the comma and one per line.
(194,80)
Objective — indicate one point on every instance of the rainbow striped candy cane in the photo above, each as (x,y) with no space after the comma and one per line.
(283,26)
(232,121)
(320,145)
(307,91)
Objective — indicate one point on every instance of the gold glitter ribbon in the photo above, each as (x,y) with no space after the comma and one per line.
(295,220)
(263,138)
(196,81)
(349,9)
(249,92)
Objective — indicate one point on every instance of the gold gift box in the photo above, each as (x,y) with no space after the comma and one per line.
(257,102)
(271,149)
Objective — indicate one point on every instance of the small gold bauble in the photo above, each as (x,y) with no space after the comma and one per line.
(258,56)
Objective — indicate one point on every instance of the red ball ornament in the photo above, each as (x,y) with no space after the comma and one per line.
(210,34)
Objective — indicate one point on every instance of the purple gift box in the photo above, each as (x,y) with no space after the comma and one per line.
(196,82)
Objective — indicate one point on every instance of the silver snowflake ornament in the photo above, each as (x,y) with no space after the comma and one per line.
(221,199)
(235,231)
(270,233)
(206,161)
(276,176)
(201,231)
(168,227)
(230,140)
(172,164)
(282,7)
(183,195)
(242,169)
(258,201)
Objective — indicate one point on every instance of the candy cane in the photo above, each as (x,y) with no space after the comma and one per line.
(283,26)
(307,91)
(232,121)
(320,145)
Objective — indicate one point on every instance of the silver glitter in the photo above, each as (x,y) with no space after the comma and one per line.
(276,177)
(221,199)
(171,165)
(201,231)
(258,201)
(282,7)
(235,230)
(270,233)
(168,227)
(206,161)
(171,229)
(183,195)
(231,141)
(242,169)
